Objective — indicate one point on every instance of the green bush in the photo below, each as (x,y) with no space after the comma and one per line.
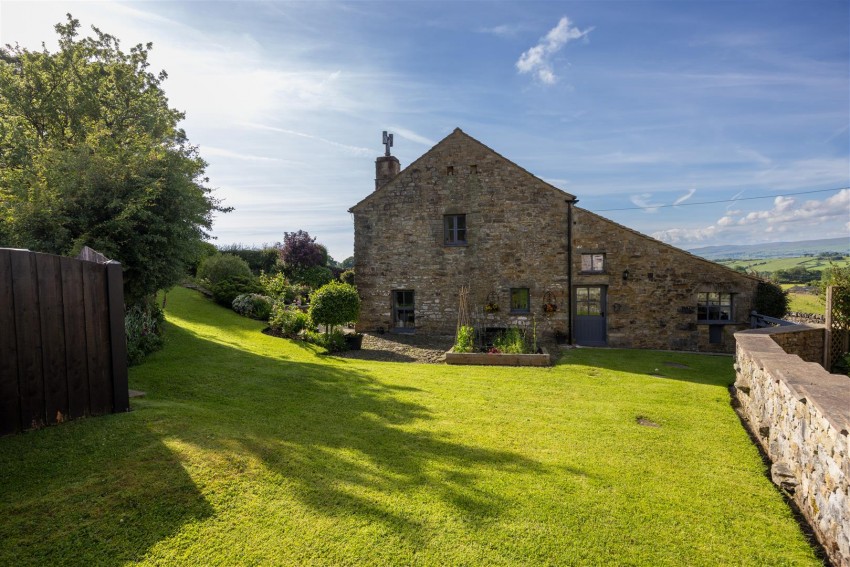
(225,291)
(771,300)
(334,304)
(253,305)
(259,260)
(143,325)
(511,341)
(347,277)
(314,276)
(333,341)
(215,269)
(288,320)
(275,285)
(465,339)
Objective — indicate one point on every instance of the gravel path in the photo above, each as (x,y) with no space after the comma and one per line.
(402,348)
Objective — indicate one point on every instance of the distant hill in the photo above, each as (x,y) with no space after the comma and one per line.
(774,249)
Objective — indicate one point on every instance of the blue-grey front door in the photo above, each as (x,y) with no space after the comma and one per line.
(590,320)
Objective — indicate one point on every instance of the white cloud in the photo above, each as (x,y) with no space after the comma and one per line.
(412,136)
(504,30)
(685,197)
(537,59)
(810,218)
(354,150)
(221,152)
(642,201)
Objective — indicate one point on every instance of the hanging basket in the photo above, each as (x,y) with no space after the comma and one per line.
(492,305)
(549,305)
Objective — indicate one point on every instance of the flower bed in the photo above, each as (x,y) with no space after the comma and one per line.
(498,359)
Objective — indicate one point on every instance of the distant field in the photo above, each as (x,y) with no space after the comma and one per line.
(774,264)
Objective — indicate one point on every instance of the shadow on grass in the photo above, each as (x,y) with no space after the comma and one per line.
(347,443)
(95,491)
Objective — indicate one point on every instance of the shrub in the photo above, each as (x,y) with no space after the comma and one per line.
(287,319)
(275,285)
(259,260)
(511,341)
(771,300)
(334,304)
(225,291)
(465,339)
(314,276)
(253,305)
(347,277)
(333,341)
(215,269)
(143,325)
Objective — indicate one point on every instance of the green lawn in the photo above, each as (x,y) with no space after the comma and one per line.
(254,450)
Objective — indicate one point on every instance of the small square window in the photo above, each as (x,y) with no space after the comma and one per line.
(520,300)
(593,263)
(473,170)
(454,230)
(450,170)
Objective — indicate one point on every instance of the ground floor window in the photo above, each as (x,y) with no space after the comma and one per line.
(403,315)
(714,306)
(520,300)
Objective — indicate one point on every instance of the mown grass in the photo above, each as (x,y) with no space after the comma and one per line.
(249,449)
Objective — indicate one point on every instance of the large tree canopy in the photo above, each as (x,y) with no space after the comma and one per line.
(91,154)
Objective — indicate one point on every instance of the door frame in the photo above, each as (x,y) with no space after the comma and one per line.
(603,309)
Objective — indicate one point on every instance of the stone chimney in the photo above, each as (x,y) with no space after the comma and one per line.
(386,166)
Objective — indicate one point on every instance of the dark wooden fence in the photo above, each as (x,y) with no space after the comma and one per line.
(63,349)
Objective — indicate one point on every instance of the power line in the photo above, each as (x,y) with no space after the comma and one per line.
(722,201)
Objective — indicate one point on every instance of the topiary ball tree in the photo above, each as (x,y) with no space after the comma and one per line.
(334,304)
(771,300)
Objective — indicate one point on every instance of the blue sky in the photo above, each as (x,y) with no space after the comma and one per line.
(625,104)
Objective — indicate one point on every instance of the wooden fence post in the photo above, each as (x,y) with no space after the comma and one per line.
(118,337)
(827,343)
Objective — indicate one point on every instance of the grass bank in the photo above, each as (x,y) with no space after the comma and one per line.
(254,450)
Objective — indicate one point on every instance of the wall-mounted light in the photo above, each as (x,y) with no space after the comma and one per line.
(625,275)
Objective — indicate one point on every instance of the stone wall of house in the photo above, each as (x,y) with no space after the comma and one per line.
(800,414)
(654,304)
(516,238)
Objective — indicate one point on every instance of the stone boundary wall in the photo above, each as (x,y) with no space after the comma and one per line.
(805,318)
(800,415)
(806,341)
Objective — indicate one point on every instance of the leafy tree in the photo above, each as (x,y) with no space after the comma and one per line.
(91,154)
(771,300)
(347,277)
(300,251)
(334,304)
(348,263)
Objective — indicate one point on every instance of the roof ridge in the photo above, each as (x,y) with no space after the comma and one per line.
(676,248)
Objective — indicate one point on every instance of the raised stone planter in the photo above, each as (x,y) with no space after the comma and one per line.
(501,359)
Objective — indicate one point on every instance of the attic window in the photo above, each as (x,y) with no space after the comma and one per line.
(473,170)
(450,170)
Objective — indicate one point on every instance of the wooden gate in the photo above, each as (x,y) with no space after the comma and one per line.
(63,349)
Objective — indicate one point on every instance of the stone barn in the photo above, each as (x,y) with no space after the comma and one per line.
(463,215)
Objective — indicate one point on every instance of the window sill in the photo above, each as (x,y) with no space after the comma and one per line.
(455,245)
(720,322)
(519,312)
(602,273)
